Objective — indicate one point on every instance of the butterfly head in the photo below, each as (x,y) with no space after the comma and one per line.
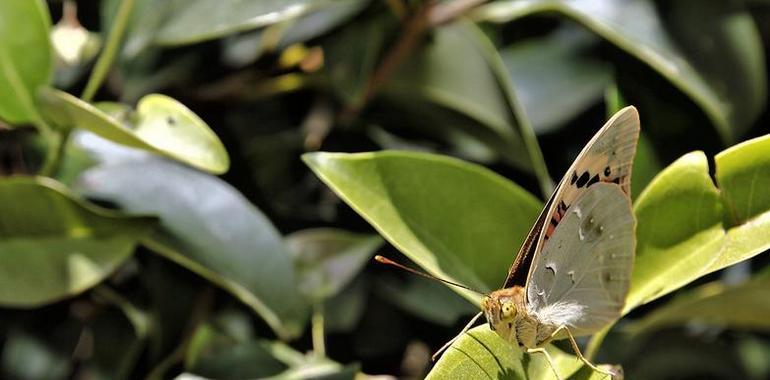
(501,308)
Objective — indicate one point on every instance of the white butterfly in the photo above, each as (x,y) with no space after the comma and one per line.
(572,273)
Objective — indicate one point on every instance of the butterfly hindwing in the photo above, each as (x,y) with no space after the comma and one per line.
(607,158)
(581,277)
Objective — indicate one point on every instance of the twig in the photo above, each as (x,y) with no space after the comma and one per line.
(317,329)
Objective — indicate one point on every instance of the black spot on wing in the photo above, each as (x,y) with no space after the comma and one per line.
(593,180)
(616,180)
(583,179)
(607,171)
(574,178)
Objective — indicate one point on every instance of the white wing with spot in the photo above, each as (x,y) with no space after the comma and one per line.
(581,277)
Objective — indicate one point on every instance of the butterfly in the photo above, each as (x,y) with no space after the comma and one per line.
(572,273)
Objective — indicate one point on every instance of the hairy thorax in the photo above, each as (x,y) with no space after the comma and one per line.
(507,314)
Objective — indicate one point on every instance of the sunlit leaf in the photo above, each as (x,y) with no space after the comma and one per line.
(160,125)
(683,231)
(26,62)
(482,354)
(457,220)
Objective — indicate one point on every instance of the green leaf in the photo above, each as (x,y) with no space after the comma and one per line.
(54,246)
(743,307)
(554,76)
(327,259)
(26,62)
(457,220)
(211,229)
(482,354)
(160,125)
(742,174)
(679,229)
(683,231)
(716,59)
(460,70)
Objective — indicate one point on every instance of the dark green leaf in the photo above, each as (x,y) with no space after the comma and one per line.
(426,299)
(326,260)
(212,230)
(459,69)
(555,78)
(716,58)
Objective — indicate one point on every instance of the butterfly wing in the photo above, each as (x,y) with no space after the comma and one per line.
(608,157)
(581,277)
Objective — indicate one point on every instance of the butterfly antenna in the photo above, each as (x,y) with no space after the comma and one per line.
(388,261)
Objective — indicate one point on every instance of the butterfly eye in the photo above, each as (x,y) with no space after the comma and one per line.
(508,310)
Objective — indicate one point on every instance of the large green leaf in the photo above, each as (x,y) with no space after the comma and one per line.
(745,306)
(160,125)
(742,172)
(679,229)
(457,220)
(459,69)
(716,58)
(327,259)
(682,232)
(54,246)
(25,57)
(482,354)
(211,229)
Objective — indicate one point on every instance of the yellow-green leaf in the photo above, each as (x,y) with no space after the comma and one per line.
(160,125)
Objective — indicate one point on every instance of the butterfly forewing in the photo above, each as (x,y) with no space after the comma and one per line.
(607,158)
(581,277)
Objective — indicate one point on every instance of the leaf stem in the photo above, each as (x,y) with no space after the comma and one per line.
(107,56)
(317,327)
(57,144)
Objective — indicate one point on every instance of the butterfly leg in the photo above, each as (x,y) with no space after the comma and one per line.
(447,344)
(541,350)
(579,354)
